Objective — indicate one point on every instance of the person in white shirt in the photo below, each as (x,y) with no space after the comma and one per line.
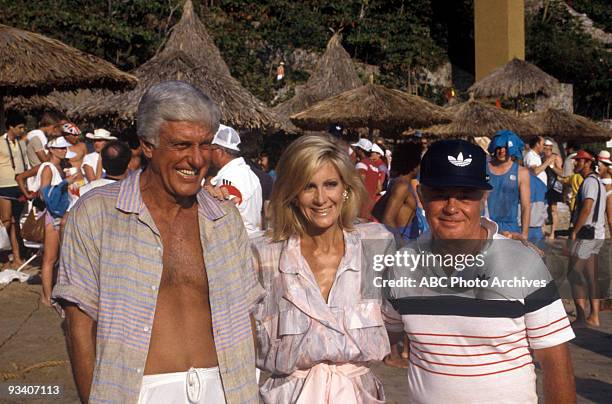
(49,128)
(236,177)
(533,161)
(92,165)
(476,343)
(115,158)
(588,234)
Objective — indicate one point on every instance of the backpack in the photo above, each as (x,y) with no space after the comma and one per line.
(56,198)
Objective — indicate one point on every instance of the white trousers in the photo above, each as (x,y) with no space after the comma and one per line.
(197,385)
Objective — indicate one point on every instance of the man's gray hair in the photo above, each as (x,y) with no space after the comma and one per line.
(174,101)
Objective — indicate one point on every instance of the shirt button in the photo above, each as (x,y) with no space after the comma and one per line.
(159,249)
(153,287)
(139,370)
(146,329)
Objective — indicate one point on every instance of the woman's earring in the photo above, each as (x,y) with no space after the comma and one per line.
(345,195)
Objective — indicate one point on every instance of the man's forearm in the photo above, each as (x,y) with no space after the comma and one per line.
(525,218)
(583,215)
(81,341)
(559,384)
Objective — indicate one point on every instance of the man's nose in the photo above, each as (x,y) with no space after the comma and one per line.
(451,206)
(196,157)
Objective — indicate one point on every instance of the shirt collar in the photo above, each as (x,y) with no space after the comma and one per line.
(129,199)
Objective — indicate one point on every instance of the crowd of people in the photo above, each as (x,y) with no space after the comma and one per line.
(186,261)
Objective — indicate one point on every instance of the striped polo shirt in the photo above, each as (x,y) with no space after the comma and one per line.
(472,344)
(111,267)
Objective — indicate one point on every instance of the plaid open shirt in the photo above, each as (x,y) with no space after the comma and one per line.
(111,266)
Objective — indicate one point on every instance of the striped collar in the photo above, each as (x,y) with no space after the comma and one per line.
(129,199)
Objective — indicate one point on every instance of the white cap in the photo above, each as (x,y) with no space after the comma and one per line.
(100,134)
(376,149)
(604,157)
(227,137)
(548,142)
(364,144)
(61,143)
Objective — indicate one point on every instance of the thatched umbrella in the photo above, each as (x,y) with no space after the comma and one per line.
(515,79)
(334,74)
(475,118)
(189,55)
(34,103)
(32,64)
(371,106)
(562,125)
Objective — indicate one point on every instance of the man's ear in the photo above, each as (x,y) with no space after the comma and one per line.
(483,200)
(147,149)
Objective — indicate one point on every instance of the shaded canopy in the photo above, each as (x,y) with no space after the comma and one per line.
(189,55)
(34,104)
(562,125)
(334,74)
(371,106)
(515,79)
(32,64)
(475,118)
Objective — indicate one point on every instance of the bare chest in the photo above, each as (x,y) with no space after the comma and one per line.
(183,260)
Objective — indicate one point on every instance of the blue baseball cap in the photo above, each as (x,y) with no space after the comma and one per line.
(455,163)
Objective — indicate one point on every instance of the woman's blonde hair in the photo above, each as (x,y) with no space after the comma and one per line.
(294,171)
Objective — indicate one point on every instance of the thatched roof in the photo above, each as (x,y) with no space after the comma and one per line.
(371,106)
(189,55)
(516,78)
(62,101)
(334,74)
(562,125)
(33,104)
(35,64)
(475,118)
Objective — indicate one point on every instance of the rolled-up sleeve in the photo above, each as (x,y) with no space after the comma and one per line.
(79,264)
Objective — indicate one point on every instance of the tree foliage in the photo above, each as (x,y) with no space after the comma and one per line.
(398,36)
(555,42)
(600,11)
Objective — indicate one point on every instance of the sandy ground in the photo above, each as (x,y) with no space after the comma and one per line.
(32,350)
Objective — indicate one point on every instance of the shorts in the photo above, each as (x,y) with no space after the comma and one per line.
(553,197)
(583,249)
(55,221)
(13,194)
(197,385)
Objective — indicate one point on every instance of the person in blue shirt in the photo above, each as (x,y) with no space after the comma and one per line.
(510,184)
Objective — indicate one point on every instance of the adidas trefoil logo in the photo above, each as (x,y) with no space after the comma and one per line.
(459,161)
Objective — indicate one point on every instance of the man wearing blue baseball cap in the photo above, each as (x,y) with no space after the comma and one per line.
(473,343)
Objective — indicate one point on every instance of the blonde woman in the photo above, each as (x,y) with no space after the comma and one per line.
(320,322)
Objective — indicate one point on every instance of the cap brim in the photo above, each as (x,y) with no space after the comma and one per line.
(456,182)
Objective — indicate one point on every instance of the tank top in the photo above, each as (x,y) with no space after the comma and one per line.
(503,200)
(56,177)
